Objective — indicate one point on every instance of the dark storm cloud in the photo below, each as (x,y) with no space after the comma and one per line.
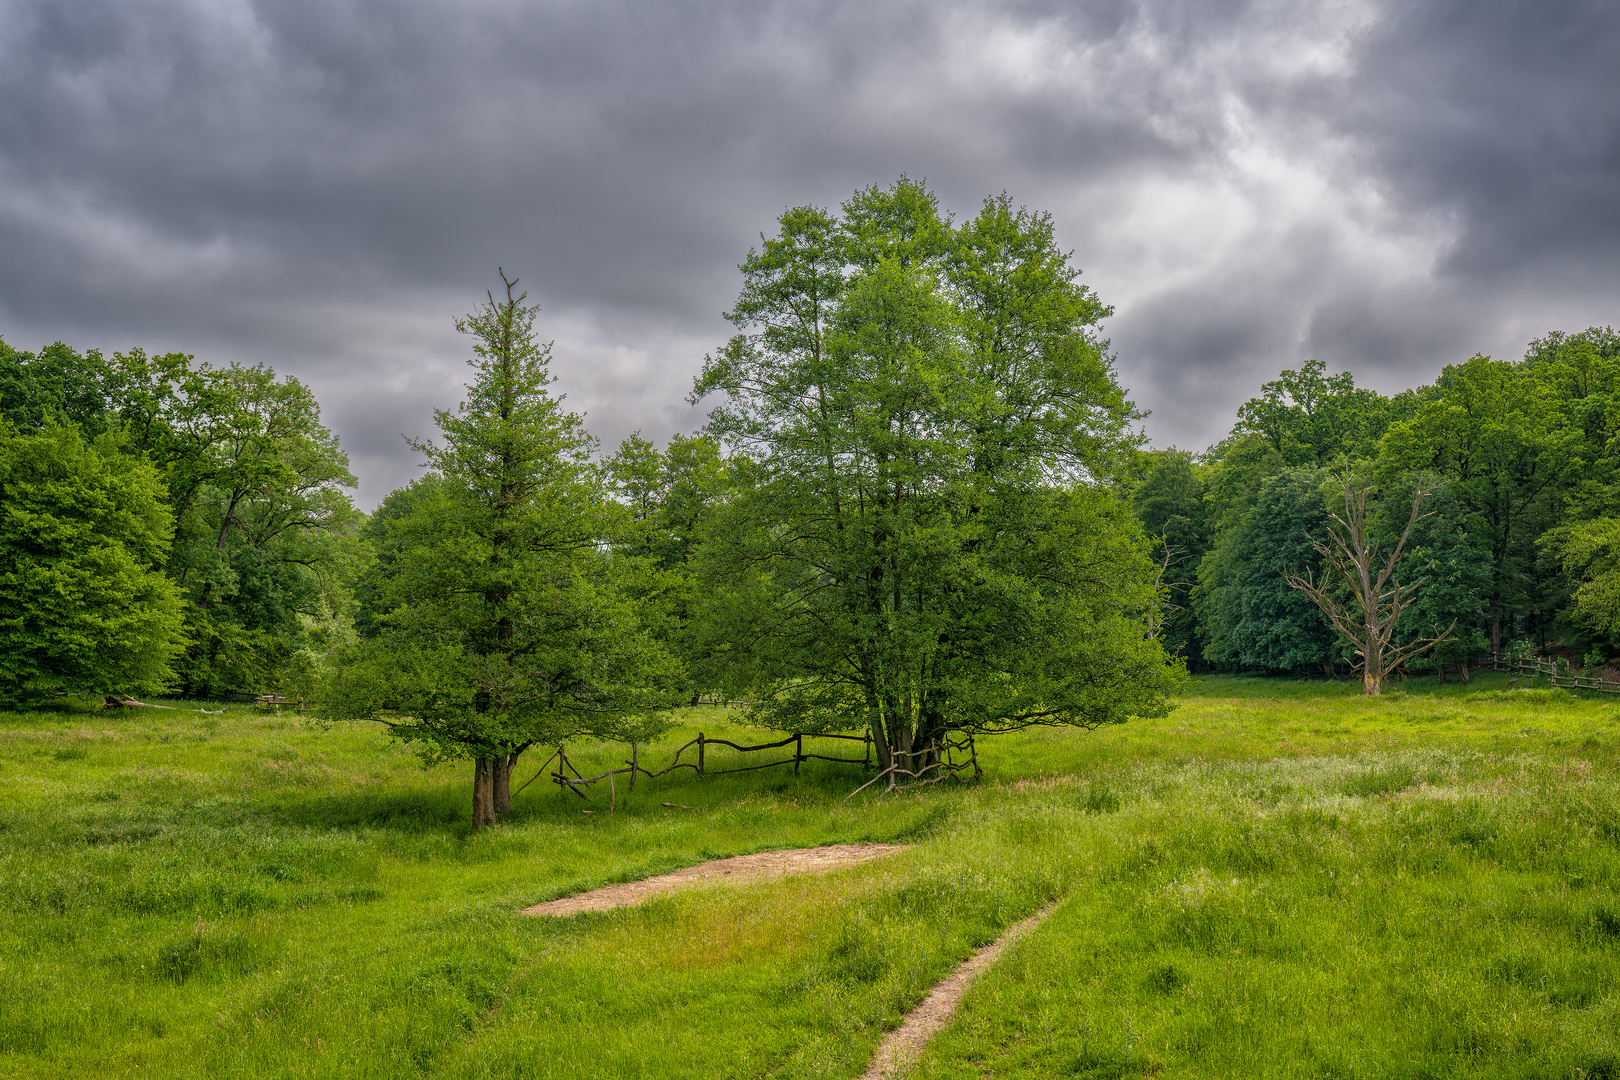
(1508,116)
(323,186)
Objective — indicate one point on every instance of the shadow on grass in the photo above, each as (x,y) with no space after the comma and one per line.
(442,810)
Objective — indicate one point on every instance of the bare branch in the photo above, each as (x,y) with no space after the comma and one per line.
(1368,622)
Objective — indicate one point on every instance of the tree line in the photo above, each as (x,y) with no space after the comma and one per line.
(1517,549)
(167,525)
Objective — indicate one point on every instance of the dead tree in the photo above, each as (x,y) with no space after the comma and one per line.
(1172,557)
(1368,621)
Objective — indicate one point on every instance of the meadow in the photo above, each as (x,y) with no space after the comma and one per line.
(1277,879)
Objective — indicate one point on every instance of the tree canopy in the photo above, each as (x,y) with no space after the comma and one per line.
(926,534)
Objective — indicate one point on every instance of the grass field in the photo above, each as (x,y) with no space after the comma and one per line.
(1278,879)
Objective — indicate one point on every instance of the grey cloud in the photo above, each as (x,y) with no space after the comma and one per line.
(323,186)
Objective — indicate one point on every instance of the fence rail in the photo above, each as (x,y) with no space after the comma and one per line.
(1536,667)
(943,766)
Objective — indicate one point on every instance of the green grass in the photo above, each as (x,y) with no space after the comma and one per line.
(1278,879)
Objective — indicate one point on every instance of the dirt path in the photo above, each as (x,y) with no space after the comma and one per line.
(902,1045)
(738,868)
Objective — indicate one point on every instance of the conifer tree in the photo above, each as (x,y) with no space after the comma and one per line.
(506,621)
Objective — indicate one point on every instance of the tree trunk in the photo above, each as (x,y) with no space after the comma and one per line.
(1462,666)
(1440,669)
(1496,630)
(931,737)
(483,792)
(503,767)
(880,743)
(899,735)
(1371,682)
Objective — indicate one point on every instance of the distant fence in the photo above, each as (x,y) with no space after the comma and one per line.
(944,766)
(1537,667)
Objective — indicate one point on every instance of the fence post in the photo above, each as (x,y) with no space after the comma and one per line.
(700,753)
(798,751)
(633,760)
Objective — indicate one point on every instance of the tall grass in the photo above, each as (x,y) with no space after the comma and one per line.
(1276,879)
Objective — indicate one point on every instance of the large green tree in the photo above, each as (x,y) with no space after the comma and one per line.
(506,615)
(1500,434)
(84,604)
(1170,504)
(924,536)
(264,543)
(1312,418)
(1245,605)
(1455,570)
(262,522)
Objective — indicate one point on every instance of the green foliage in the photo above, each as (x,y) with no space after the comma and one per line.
(671,496)
(57,382)
(84,605)
(384,543)
(1250,614)
(1522,547)
(1453,565)
(502,616)
(264,542)
(263,548)
(1312,418)
(923,535)
(1170,504)
(1500,435)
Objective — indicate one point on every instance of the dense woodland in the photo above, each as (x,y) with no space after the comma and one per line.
(1521,548)
(920,506)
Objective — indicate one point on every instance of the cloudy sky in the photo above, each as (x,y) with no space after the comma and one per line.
(323,185)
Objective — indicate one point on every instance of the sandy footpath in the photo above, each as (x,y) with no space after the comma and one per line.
(902,1045)
(738,868)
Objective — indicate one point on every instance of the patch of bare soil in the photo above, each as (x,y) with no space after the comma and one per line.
(902,1045)
(738,868)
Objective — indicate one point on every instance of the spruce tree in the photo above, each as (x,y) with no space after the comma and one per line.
(506,621)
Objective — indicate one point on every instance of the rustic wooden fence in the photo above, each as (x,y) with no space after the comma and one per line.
(945,765)
(1538,667)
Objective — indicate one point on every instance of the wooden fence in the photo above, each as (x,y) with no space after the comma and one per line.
(1538,667)
(945,765)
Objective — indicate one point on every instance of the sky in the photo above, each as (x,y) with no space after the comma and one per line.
(324,185)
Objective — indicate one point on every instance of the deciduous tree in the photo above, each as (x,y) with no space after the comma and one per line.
(924,536)
(1499,434)
(84,604)
(1246,610)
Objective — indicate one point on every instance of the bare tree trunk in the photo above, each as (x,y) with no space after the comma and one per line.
(1462,666)
(483,792)
(1441,668)
(1496,629)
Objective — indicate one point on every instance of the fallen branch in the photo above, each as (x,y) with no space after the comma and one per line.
(130,703)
